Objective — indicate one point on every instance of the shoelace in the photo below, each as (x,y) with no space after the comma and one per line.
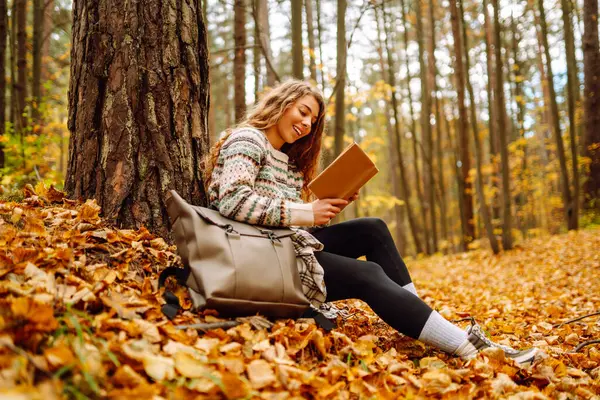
(476,330)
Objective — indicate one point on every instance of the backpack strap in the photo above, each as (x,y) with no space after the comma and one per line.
(172,306)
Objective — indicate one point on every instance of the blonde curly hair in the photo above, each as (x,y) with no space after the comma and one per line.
(304,153)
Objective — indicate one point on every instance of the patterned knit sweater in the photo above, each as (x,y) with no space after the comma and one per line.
(252,182)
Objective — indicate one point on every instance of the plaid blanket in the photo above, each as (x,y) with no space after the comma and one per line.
(312,274)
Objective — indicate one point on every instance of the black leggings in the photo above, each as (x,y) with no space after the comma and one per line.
(377,281)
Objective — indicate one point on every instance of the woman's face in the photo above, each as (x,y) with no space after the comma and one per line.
(296,122)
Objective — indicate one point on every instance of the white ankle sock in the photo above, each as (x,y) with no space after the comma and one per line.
(411,288)
(442,334)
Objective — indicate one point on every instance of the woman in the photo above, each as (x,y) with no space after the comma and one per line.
(258,173)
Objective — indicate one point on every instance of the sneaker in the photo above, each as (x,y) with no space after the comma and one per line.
(477,341)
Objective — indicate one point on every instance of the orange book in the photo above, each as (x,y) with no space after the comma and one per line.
(345,175)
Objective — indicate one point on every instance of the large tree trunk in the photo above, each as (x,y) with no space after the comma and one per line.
(297,57)
(403,176)
(340,85)
(572,90)
(502,134)
(485,213)
(468,227)
(38,35)
(239,60)
(138,105)
(311,40)
(560,149)
(591,66)
(3,32)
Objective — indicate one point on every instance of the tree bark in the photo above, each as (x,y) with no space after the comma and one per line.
(239,60)
(256,51)
(403,176)
(21,118)
(47,39)
(440,168)
(261,20)
(491,94)
(311,40)
(319,38)
(502,134)
(138,105)
(591,66)
(340,107)
(38,34)
(468,227)
(3,35)
(425,130)
(485,213)
(521,198)
(297,57)
(12,61)
(413,124)
(560,149)
(392,149)
(432,91)
(572,90)
(548,116)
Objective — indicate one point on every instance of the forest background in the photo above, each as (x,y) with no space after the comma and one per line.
(482,117)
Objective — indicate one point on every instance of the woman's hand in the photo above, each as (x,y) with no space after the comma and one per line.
(350,200)
(353,198)
(325,209)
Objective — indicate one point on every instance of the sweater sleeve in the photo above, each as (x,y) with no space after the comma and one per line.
(242,156)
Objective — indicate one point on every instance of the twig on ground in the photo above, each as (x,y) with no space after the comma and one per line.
(576,319)
(209,326)
(471,319)
(582,345)
(8,344)
(256,321)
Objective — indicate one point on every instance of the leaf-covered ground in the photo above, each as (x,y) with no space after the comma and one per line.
(80,317)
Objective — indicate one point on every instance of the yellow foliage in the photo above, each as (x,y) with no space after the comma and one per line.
(351,117)
(328,142)
(386,202)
